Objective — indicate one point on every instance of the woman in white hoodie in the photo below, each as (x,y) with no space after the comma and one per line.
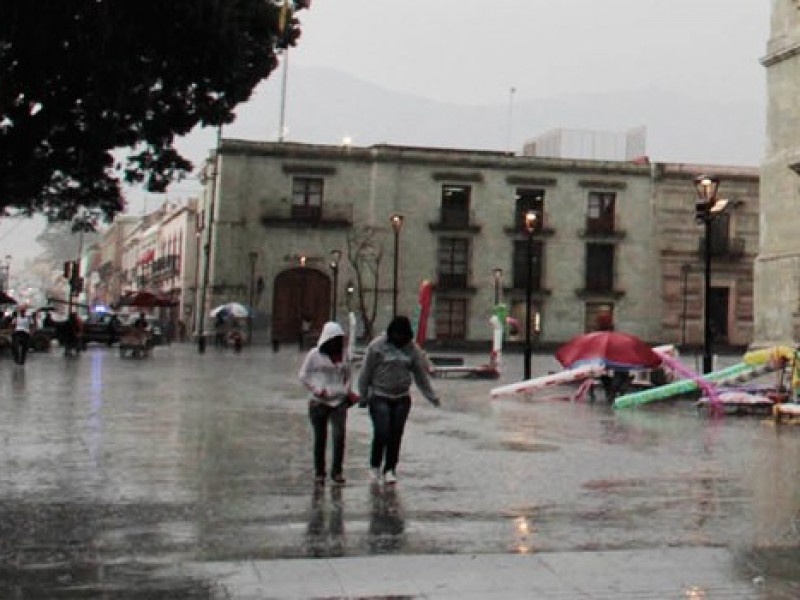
(326,373)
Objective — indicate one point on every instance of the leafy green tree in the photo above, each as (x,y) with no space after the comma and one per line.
(82,78)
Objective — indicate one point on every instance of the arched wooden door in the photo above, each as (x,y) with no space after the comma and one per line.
(299,294)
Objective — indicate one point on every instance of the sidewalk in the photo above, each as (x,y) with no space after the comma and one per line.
(642,574)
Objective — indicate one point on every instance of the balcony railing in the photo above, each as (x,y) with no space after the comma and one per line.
(729,247)
(327,215)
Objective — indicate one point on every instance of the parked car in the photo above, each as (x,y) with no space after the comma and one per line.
(101,328)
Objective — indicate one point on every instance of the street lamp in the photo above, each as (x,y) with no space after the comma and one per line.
(685,290)
(397,224)
(707,207)
(498,276)
(253,258)
(530,226)
(336,256)
(350,289)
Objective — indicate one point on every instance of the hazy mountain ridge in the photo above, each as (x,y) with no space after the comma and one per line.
(325,105)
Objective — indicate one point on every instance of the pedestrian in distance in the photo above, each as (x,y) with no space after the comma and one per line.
(22,328)
(391,362)
(326,372)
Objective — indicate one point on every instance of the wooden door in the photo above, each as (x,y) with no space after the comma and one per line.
(299,294)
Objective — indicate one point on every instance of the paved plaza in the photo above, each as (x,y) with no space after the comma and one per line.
(189,476)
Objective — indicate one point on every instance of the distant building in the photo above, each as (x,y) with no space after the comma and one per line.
(630,145)
(610,237)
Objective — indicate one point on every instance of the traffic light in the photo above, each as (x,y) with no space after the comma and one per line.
(701,211)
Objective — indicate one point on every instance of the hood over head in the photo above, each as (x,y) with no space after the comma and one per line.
(330,330)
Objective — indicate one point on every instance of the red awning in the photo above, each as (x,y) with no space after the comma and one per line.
(147,257)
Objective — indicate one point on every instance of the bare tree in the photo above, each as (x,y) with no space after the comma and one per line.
(365,254)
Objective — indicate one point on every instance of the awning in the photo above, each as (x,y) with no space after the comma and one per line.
(147,257)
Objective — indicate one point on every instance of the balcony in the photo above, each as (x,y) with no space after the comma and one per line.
(455,221)
(327,216)
(601,233)
(723,247)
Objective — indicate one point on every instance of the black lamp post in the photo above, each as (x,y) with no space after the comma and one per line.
(397,224)
(336,256)
(707,206)
(253,258)
(498,277)
(530,226)
(685,290)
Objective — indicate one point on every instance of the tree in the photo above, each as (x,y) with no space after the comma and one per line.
(82,78)
(365,254)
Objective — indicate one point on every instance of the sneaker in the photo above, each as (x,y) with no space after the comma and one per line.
(390,477)
(375,474)
(338,479)
(319,479)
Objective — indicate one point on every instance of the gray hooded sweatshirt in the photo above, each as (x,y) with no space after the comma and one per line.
(320,374)
(388,371)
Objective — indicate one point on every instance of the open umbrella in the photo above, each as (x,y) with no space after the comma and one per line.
(145,299)
(6,299)
(612,349)
(235,309)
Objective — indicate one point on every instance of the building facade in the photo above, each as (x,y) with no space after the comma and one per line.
(777,268)
(608,236)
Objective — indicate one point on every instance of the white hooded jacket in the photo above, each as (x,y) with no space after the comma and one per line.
(328,382)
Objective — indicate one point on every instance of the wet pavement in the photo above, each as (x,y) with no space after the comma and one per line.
(189,476)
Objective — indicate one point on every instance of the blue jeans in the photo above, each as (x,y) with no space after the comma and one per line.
(388,421)
(321,415)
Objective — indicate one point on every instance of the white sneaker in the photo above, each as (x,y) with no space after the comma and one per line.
(375,474)
(389,477)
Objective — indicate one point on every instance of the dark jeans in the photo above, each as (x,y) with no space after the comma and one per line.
(321,415)
(19,346)
(388,421)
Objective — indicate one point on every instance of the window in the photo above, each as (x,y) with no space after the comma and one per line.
(720,234)
(599,267)
(595,313)
(453,263)
(307,198)
(451,318)
(521,264)
(600,212)
(529,199)
(455,206)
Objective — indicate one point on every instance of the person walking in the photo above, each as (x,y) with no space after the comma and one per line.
(22,327)
(327,375)
(391,362)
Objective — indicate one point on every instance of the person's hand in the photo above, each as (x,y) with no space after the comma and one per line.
(353,398)
(321,393)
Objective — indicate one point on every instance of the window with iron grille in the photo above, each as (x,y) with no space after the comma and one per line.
(521,264)
(600,212)
(307,197)
(720,234)
(451,318)
(453,263)
(455,205)
(599,267)
(529,199)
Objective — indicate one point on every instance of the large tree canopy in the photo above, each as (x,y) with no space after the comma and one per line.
(81,78)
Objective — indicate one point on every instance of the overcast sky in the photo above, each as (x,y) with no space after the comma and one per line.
(474,52)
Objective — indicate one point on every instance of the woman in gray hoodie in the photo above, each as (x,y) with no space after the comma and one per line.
(391,362)
(326,374)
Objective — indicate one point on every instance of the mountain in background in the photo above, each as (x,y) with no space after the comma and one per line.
(324,105)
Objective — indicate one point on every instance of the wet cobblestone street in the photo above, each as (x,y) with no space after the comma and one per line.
(126,477)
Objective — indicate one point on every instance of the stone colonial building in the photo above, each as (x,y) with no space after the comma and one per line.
(609,236)
(777,267)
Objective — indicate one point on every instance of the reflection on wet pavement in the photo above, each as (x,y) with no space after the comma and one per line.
(111,470)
